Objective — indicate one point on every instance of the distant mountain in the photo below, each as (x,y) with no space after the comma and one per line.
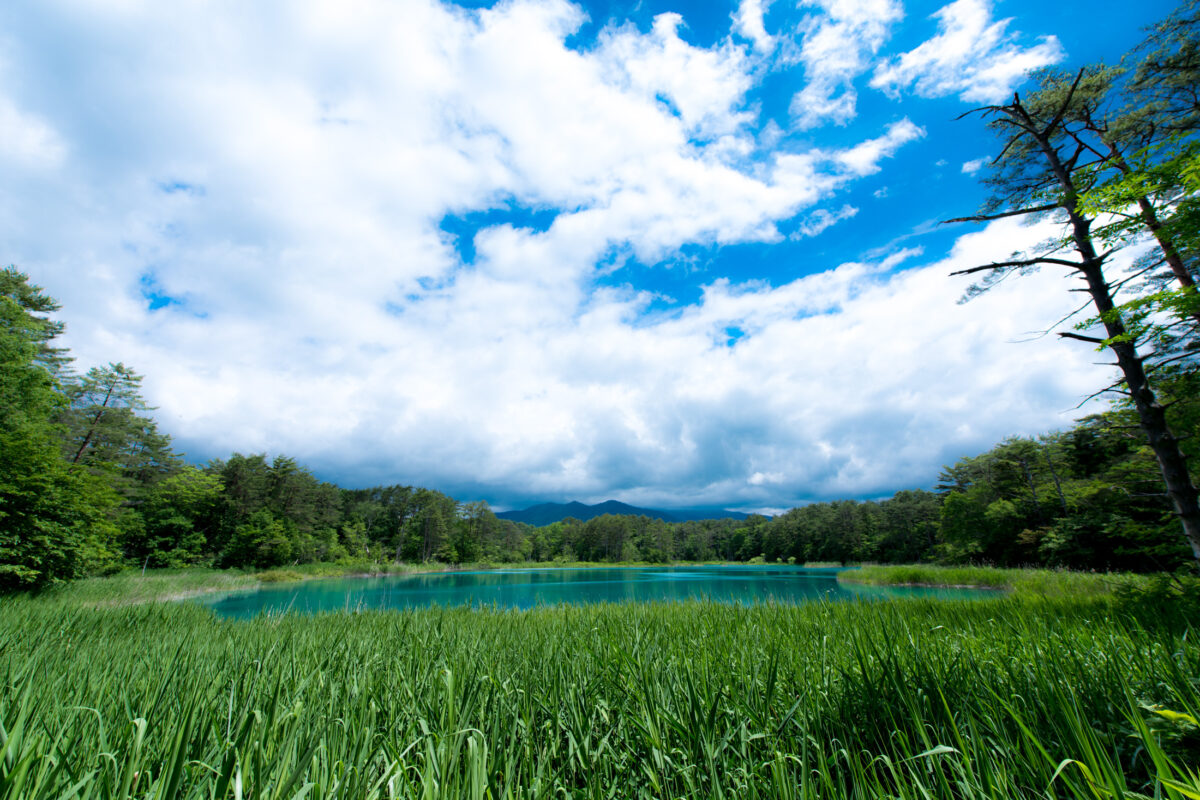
(546,513)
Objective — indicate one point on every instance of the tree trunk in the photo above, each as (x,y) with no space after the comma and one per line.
(1057,483)
(1037,503)
(92,427)
(1170,253)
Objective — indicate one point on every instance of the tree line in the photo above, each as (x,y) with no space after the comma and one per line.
(1086,498)
(88,484)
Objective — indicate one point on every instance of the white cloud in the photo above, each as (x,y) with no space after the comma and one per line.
(821,219)
(748,21)
(864,158)
(705,87)
(974,165)
(971,56)
(836,47)
(843,381)
(27,140)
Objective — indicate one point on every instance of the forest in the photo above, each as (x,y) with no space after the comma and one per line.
(92,486)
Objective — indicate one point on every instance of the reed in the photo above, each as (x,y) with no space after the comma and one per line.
(998,698)
(1029,582)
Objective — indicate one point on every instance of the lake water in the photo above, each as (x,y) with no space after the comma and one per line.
(526,588)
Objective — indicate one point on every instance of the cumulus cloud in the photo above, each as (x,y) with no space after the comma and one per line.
(971,56)
(974,165)
(865,158)
(705,87)
(845,383)
(748,21)
(837,45)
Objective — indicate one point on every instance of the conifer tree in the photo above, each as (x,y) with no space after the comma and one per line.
(54,517)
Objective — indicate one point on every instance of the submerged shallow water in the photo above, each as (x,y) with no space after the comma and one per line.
(526,588)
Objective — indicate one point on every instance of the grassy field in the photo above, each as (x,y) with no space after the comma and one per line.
(1025,582)
(1003,698)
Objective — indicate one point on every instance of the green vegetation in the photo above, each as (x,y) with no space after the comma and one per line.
(1025,582)
(1001,698)
(133,588)
(55,519)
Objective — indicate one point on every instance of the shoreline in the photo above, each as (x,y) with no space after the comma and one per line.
(133,587)
(136,588)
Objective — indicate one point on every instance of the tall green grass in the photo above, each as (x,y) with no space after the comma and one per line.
(1028,582)
(133,587)
(989,699)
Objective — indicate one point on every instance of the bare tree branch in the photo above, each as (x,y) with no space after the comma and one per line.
(1003,214)
(1080,337)
(983,110)
(1029,262)
(1047,331)
(1110,388)
(1100,157)
(1160,364)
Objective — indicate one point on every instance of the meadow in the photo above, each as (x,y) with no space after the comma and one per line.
(1051,695)
(1030,583)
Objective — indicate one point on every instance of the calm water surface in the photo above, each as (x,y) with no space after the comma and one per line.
(525,588)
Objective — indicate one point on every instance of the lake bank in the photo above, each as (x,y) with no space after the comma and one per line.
(1033,582)
(526,588)
(133,587)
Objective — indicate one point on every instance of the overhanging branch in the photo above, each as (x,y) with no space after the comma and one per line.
(1062,108)
(1160,364)
(1015,213)
(1080,337)
(1112,387)
(1029,262)
(1048,331)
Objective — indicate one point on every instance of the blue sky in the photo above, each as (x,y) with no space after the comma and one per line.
(677,254)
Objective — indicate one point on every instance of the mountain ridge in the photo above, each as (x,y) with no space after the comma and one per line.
(548,513)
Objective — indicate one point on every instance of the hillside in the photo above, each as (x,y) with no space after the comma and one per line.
(547,513)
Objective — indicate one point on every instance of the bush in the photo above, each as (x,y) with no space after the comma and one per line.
(1171,599)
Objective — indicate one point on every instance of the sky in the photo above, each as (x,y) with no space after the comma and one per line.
(674,253)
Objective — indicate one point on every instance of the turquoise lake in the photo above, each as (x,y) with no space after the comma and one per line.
(526,588)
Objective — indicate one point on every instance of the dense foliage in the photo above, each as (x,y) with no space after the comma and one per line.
(55,518)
